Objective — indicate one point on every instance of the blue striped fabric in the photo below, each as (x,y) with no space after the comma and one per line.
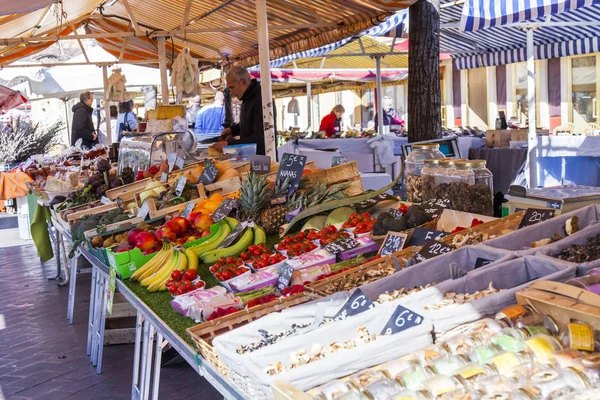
(498,45)
(482,14)
(394,25)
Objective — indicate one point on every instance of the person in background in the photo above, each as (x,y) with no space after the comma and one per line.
(102,137)
(332,122)
(83,126)
(210,118)
(390,117)
(126,120)
(250,129)
(192,111)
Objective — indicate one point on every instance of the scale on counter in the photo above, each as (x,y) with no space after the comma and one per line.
(560,198)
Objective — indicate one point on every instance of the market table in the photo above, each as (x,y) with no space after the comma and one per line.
(507,165)
(568,160)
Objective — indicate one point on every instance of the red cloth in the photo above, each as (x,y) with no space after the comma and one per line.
(328,124)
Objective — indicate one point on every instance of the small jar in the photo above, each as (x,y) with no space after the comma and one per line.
(428,175)
(483,188)
(511,364)
(462,179)
(590,283)
(365,377)
(591,365)
(353,396)
(569,358)
(447,365)
(396,367)
(334,389)
(517,313)
(462,344)
(547,381)
(543,347)
(534,330)
(430,352)
(461,394)
(407,394)
(414,164)
(440,384)
(519,394)
(413,378)
(511,340)
(578,336)
(495,384)
(443,179)
(483,354)
(382,389)
(474,371)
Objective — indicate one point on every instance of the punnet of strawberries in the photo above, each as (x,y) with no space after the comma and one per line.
(291,290)
(221,312)
(227,268)
(260,256)
(182,282)
(297,245)
(360,223)
(261,300)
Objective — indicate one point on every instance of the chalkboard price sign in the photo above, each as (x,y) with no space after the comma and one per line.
(260,165)
(180,185)
(341,245)
(435,207)
(362,205)
(401,320)
(432,249)
(241,227)
(420,236)
(291,166)
(187,210)
(394,241)
(533,216)
(285,277)
(209,173)
(480,262)
(356,304)
(224,209)
(339,160)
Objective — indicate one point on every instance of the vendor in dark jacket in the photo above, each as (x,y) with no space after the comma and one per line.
(83,126)
(250,129)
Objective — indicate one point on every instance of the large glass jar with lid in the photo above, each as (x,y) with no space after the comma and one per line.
(414,164)
(462,179)
(443,179)
(428,175)
(483,189)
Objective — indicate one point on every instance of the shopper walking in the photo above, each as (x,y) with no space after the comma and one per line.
(83,126)
(331,124)
(126,120)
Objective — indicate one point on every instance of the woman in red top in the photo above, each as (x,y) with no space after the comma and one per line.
(332,122)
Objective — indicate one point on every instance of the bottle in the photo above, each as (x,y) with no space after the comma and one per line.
(443,179)
(461,181)
(428,175)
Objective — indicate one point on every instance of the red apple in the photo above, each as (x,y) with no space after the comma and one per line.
(205,233)
(180,241)
(173,226)
(165,233)
(123,247)
(185,226)
(145,241)
(132,236)
(192,217)
(203,222)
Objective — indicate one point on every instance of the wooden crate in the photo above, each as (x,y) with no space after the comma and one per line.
(564,303)
(173,210)
(71,218)
(225,187)
(396,260)
(341,173)
(203,334)
(127,192)
(113,227)
(495,227)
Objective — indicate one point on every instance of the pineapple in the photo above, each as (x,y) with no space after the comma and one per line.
(272,218)
(281,188)
(255,195)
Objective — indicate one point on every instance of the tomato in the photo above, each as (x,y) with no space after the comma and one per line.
(251,248)
(226,276)
(331,229)
(173,289)
(176,275)
(181,290)
(257,252)
(244,256)
(301,236)
(403,208)
(190,275)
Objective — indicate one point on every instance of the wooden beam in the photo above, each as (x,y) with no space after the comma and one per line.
(136,27)
(54,38)
(217,29)
(66,64)
(186,14)
(162,64)
(81,45)
(41,20)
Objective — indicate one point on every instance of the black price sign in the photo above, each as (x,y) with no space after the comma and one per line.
(285,277)
(187,210)
(143,211)
(361,205)
(180,185)
(533,216)
(432,249)
(291,166)
(260,165)
(435,207)
(224,209)
(120,203)
(341,245)
(394,241)
(209,173)
(339,160)
(480,262)
(241,227)
(420,236)
(356,304)
(401,320)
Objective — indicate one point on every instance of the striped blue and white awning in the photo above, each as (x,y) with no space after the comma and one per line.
(496,42)
(395,25)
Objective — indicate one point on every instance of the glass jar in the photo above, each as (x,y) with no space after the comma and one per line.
(461,394)
(511,340)
(518,313)
(494,384)
(483,354)
(543,348)
(447,365)
(439,384)
(429,353)
(569,358)
(353,396)
(428,175)
(363,378)
(413,378)
(462,179)
(578,336)
(382,389)
(591,365)
(414,164)
(443,179)
(395,367)
(483,188)
(474,371)
(462,344)
(334,389)
(519,394)
(590,283)
(407,394)
(511,364)
(547,381)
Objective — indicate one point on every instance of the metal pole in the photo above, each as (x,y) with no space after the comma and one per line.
(532,134)
(265,73)
(162,64)
(308,102)
(107,106)
(379,97)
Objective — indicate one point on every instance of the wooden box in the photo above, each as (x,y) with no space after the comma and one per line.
(71,218)
(127,192)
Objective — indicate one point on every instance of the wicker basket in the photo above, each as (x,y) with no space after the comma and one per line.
(496,228)
(340,173)
(346,279)
(203,334)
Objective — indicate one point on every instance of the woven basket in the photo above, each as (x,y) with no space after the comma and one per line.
(496,228)
(203,334)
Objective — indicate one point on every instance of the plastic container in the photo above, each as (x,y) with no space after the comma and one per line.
(240,152)
(590,283)
(483,188)
(414,164)
(443,179)
(462,179)
(543,348)
(428,177)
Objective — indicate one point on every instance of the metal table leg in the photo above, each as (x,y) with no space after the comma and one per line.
(135,393)
(64,282)
(57,240)
(98,304)
(146,371)
(101,330)
(72,282)
(92,307)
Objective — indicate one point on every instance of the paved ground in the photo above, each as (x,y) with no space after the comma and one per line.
(43,357)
